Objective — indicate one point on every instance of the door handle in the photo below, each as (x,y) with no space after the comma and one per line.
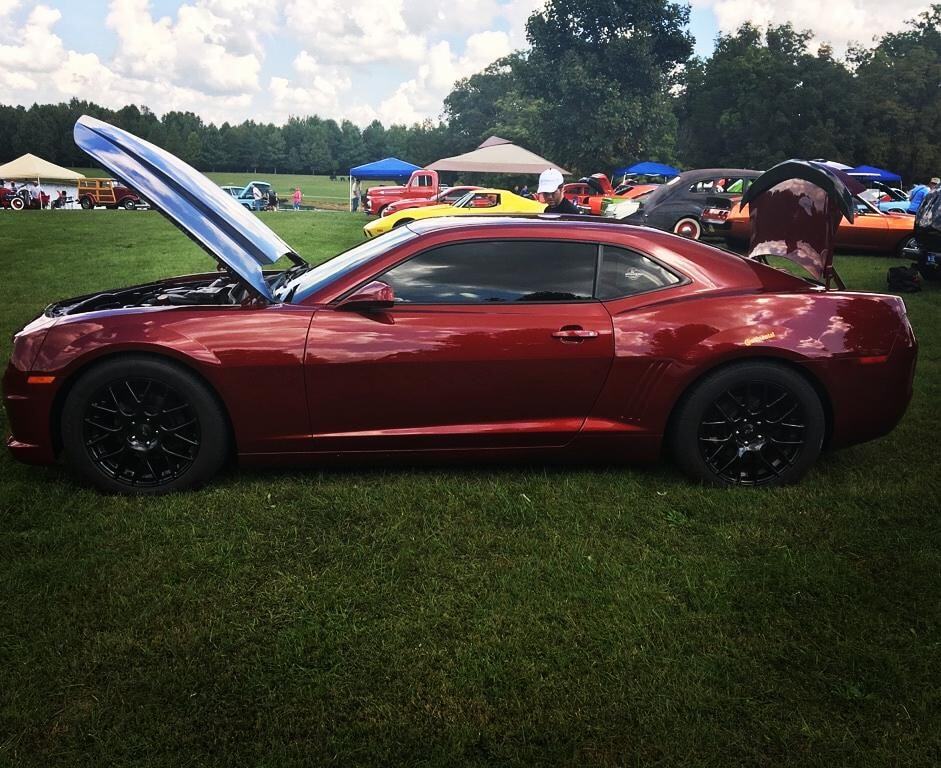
(574,334)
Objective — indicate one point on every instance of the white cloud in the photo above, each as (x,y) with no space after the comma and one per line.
(355,33)
(209,56)
(422,96)
(838,22)
(196,50)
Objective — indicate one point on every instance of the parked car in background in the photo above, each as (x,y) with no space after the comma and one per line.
(422,185)
(476,203)
(885,198)
(678,205)
(594,195)
(22,199)
(109,193)
(870,230)
(231,190)
(247,199)
(447,196)
(926,247)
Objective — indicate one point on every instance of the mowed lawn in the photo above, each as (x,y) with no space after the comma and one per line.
(459,616)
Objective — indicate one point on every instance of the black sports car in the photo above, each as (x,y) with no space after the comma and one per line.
(677,205)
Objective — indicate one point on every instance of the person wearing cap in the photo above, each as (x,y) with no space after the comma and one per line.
(550,190)
(919,192)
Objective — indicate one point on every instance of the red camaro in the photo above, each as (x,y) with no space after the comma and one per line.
(450,337)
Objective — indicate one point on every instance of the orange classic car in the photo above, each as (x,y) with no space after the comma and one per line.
(593,193)
(870,230)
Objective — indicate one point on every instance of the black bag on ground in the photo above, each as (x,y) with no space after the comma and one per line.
(903,279)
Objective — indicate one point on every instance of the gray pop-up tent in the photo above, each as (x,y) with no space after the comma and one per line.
(496,155)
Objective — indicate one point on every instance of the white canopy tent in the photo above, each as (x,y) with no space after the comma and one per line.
(496,155)
(29,167)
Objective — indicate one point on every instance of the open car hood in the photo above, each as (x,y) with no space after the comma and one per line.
(203,210)
(795,209)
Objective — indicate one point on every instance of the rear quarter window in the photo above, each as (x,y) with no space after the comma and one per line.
(628,273)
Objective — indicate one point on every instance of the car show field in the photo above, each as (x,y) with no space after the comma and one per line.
(319,191)
(470,614)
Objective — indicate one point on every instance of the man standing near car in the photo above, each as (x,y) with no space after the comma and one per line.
(919,192)
(550,192)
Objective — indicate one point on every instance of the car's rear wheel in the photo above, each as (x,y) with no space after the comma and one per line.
(17,204)
(688,227)
(749,424)
(143,425)
(86,203)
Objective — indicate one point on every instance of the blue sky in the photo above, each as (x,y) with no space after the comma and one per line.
(394,60)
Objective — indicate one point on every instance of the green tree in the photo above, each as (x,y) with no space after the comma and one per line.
(761,98)
(899,89)
(375,146)
(600,72)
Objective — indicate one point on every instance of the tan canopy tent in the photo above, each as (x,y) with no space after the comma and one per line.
(496,155)
(32,168)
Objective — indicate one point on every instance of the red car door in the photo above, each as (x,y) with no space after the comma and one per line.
(489,345)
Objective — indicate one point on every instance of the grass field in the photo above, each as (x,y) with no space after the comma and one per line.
(462,616)
(317,190)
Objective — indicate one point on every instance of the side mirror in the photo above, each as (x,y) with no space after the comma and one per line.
(372,296)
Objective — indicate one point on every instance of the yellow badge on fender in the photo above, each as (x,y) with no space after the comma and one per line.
(757,339)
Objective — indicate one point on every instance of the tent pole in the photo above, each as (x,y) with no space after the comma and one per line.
(349,197)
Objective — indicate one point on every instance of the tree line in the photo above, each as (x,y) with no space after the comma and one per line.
(602,83)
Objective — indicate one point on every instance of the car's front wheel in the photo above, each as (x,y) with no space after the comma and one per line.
(749,424)
(143,425)
(17,204)
(128,204)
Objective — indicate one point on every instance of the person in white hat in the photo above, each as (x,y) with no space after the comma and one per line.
(550,192)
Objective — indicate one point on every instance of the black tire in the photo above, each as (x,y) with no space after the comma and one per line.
(86,203)
(749,424)
(688,226)
(903,244)
(143,425)
(128,204)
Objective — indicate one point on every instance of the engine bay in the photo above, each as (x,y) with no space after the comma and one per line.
(222,291)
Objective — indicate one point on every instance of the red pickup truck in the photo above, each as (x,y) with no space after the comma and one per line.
(422,185)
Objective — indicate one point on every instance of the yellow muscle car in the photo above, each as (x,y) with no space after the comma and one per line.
(480,201)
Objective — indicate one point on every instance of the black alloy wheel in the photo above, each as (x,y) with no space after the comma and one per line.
(143,426)
(140,432)
(751,424)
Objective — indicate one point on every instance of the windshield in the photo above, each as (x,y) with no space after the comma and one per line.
(317,277)
(462,202)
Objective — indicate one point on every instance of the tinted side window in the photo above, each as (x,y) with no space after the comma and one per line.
(625,273)
(500,271)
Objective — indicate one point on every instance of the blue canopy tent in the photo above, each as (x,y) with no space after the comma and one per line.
(871,172)
(387,168)
(648,169)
